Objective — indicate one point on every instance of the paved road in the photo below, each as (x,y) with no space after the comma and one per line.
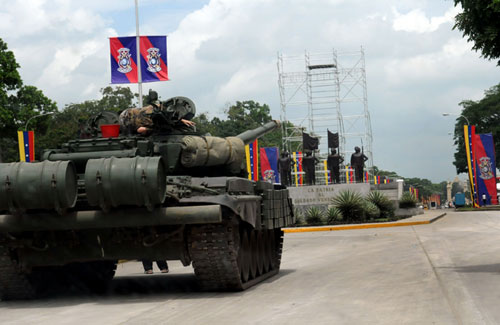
(447,272)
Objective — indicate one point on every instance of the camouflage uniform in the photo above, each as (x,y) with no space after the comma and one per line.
(133,118)
(160,116)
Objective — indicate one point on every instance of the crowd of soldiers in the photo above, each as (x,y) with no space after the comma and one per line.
(309,161)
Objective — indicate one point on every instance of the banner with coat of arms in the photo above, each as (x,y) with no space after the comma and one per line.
(485,170)
(124,59)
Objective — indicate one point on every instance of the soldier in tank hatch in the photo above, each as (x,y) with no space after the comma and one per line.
(358,159)
(173,114)
(334,160)
(285,164)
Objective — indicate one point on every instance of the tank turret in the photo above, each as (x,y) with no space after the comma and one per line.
(170,195)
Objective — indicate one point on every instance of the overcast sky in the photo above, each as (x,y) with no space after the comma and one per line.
(221,51)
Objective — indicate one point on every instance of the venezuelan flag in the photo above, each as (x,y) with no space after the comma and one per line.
(469,135)
(26,141)
(297,157)
(252,154)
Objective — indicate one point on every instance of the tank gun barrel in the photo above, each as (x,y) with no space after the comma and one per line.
(250,135)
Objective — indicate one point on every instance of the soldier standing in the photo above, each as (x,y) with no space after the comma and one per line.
(334,160)
(285,164)
(309,164)
(358,159)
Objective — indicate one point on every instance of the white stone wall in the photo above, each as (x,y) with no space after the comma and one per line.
(323,194)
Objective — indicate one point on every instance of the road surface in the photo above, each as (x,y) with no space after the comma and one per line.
(447,272)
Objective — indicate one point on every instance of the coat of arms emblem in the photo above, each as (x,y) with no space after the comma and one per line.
(154,59)
(269,175)
(124,65)
(485,168)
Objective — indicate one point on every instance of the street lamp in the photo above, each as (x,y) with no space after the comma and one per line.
(449,114)
(36,116)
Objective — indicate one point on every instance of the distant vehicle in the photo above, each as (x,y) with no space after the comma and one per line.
(459,200)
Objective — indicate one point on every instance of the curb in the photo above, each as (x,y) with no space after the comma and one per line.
(363,226)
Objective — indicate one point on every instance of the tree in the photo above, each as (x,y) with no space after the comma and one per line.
(480,23)
(18,103)
(485,115)
(240,117)
(74,117)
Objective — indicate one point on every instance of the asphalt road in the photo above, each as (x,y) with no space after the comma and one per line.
(447,272)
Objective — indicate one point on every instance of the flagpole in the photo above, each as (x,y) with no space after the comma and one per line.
(138,44)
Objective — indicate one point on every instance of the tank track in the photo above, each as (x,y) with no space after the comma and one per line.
(232,257)
(13,283)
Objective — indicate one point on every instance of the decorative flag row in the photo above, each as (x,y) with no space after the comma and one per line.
(414,192)
(349,175)
(26,140)
(124,59)
(252,155)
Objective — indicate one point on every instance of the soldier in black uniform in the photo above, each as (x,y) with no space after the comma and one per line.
(285,164)
(148,266)
(309,164)
(334,160)
(358,159)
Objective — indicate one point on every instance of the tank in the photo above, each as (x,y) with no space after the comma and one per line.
(170,195)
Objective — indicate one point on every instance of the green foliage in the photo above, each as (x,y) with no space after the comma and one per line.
(480,23)
(350,205)
(370,210)
(333,215)
(314,216)
(240,117)
(407,201)
(68,124)
(485,115)
(386,173)
(18,103)
(425,187)
(299,217)
(383,203)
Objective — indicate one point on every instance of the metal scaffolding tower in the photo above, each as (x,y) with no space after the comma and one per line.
(320,91)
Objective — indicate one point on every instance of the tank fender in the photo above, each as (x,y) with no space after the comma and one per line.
(248,207)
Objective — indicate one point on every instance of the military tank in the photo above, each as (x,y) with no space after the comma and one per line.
(170,195)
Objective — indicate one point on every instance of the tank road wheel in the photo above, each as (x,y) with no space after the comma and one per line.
(244,257)
(260,251)
(254,252)
(266,254)
(277,235)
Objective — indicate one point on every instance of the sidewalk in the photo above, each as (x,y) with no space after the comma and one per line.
(428,217)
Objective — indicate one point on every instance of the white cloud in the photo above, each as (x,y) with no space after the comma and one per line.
(416,20)
(226,51)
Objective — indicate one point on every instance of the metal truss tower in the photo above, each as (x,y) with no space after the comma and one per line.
(320,91)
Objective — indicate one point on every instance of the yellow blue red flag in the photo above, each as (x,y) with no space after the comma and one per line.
(252,153)
(26,141)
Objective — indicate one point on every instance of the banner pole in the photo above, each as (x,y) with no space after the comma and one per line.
(138,45)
